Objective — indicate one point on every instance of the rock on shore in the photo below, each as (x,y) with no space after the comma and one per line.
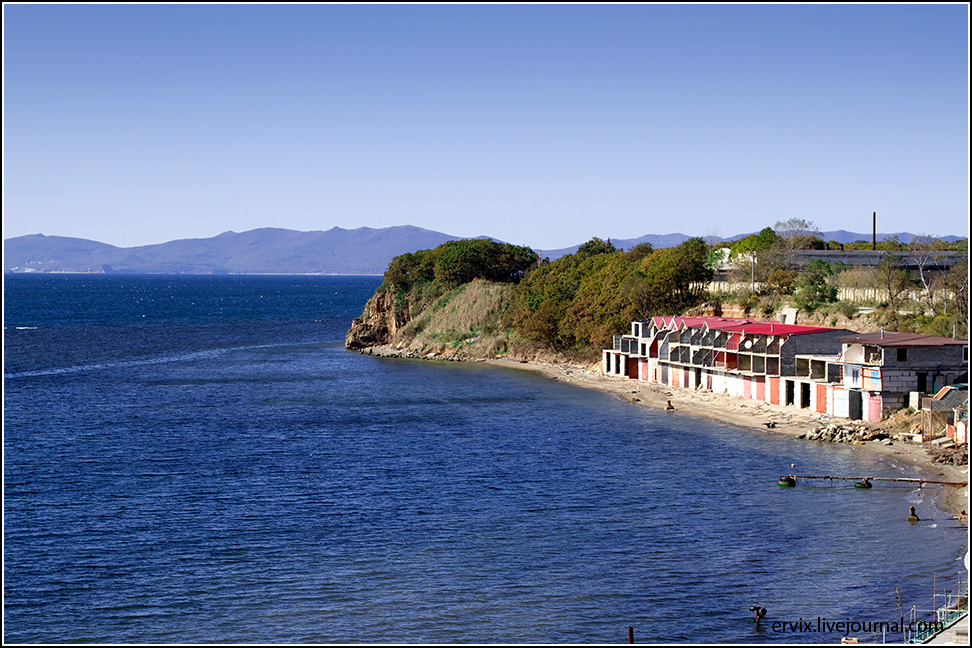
(844,433)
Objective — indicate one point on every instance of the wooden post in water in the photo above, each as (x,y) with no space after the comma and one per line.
(914,480)
(630,634)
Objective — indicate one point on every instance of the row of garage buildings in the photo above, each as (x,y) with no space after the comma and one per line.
(832,371)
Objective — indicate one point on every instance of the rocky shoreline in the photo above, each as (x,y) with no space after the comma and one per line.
(940,464)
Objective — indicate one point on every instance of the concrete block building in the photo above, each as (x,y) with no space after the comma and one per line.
(823,369)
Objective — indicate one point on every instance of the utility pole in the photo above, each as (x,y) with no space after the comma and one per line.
(752,273)
(874,231)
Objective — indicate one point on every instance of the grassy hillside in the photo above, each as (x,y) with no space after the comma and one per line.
(464,321)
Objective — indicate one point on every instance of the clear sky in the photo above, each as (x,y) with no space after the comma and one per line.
(541,125)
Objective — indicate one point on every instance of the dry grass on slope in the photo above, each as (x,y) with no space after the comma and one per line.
(466,319)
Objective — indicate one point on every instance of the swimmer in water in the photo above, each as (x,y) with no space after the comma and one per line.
(758,611)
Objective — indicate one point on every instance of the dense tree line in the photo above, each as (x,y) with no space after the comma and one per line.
(576,303)
(457,262)
(579,301)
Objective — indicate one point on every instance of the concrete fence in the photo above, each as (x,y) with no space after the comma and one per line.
(843,294)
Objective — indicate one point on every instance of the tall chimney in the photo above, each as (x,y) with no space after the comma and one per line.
(874,231)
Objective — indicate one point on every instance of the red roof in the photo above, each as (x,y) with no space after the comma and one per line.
(740,325)
(776,328)
(697,322)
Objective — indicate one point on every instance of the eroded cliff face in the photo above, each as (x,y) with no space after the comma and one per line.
(377,324)
(464,321)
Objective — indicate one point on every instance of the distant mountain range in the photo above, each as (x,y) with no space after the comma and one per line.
(362,251)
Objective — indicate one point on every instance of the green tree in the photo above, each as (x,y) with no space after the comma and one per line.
(674,279)
(639,252)
(540,302)
(781,282)
(405,270)
(754,243)
(459,262)
(812,288)
(895,283)
(596,246)
(751,257)
(956,287)
(601,306)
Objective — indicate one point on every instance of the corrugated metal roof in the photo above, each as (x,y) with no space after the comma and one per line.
(776,328)
(895,339)
(948,398)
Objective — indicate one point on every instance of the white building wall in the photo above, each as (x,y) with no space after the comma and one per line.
(734,385)
(841,403)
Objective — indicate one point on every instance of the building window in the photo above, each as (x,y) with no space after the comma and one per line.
(902,355)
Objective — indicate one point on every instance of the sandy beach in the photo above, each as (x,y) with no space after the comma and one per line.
(753,415)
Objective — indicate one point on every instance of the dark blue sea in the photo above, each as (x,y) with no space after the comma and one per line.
(199,460)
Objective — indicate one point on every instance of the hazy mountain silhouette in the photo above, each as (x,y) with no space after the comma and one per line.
(362,251)
(359,251)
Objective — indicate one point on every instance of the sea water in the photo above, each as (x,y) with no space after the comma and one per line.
(199,459)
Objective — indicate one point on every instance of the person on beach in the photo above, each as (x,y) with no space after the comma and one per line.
(670,407)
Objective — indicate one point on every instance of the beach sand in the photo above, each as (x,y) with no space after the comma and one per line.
(752,415)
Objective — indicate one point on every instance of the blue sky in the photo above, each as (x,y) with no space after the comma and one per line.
(541,125)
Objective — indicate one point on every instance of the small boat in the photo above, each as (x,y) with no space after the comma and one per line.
(863,484)
(788,481)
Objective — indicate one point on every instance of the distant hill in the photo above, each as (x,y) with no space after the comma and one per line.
(362,251)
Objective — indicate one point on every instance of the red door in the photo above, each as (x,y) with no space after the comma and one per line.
(774,384)
(874,408)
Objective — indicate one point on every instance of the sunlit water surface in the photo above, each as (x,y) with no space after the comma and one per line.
(198,459)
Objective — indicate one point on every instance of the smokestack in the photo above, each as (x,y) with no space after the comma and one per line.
(874,231)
